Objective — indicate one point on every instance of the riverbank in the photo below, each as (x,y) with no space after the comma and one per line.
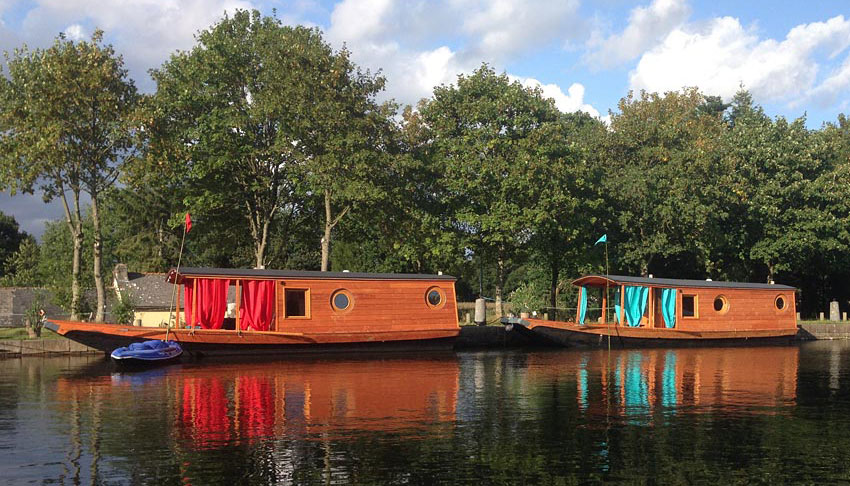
(14,348)
(470,337)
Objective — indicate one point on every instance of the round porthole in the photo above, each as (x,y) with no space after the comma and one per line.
(435,297)
(780,302)
(721,304)
(341,300)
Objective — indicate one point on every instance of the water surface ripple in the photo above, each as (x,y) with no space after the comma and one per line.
(762,415)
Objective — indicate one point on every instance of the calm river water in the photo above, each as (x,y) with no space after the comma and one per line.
(681,416)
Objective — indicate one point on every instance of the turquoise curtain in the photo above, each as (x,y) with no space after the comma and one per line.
(582,310)
(635,304)
(668,307)
(617,304)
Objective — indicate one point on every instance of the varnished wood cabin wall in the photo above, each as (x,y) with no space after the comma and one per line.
(747,309)
(377,305)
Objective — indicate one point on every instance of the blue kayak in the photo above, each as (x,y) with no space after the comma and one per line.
(148,352)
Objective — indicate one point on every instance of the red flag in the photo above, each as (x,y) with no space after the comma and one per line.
(188,223)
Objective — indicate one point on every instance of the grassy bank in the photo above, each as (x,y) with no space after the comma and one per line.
(21,333)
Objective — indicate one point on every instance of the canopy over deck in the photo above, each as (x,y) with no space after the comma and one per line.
(617,280)
(256,273)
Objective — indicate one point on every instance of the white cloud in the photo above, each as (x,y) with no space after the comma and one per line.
(146,32)
(721,55)
(828,91)
(569,102)
(75,32)
(434,68)
(357,20)
(506,28)
(421,44)
(647,27)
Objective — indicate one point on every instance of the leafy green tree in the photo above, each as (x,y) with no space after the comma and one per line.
(343,135)
(137,222)
(54,269)
(21,267)
(11,238)
(478,128)
(403,227)
(790,182)
(263,118)
(663,181)
(566,200)
(217,121)
(63,113)
(37,143)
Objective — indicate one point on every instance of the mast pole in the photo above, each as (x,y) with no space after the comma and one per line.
(176,285)
(607,280)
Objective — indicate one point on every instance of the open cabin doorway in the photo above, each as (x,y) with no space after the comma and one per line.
(598,306)
(658,308)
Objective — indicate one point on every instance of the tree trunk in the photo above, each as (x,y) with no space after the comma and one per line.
(75,272)
(329,226)
(500,284)
(160,238)
(260,252)
(75,227)
(30,329)
(326,237)
(97,256)
(553,286)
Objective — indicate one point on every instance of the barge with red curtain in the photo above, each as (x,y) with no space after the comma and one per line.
(640,311)
(281,312)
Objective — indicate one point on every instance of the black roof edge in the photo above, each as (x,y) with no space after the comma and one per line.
(673,282)
(299,274)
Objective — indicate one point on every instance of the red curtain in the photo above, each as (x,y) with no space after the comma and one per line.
(188,290)
(211,302)
(257,307)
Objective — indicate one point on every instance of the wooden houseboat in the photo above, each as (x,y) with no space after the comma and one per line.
(660,311)
(280,312)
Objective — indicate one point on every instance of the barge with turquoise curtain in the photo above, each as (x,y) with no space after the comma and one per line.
(646,311)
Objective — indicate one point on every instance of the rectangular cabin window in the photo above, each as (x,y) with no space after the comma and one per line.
(689,305)
(297,303)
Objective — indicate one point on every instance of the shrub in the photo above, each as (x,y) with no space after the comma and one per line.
(124,309)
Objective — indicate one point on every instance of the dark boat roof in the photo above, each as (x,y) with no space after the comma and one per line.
(675,282)
(299,274)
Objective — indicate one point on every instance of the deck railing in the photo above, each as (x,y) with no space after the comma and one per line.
(593,314)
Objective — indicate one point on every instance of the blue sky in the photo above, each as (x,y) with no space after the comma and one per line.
(793,56)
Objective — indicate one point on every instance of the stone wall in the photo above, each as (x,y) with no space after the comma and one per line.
(823,330)
(11,348)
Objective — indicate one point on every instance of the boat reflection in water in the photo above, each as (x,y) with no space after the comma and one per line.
(212,406)
(471,418)
(310,398)
(640,386)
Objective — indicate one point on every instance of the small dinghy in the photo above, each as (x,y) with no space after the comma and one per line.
(148,353)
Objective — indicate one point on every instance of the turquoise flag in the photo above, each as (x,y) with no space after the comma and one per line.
(602,239)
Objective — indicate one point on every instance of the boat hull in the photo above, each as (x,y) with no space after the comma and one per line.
(203,342)
(568,334)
